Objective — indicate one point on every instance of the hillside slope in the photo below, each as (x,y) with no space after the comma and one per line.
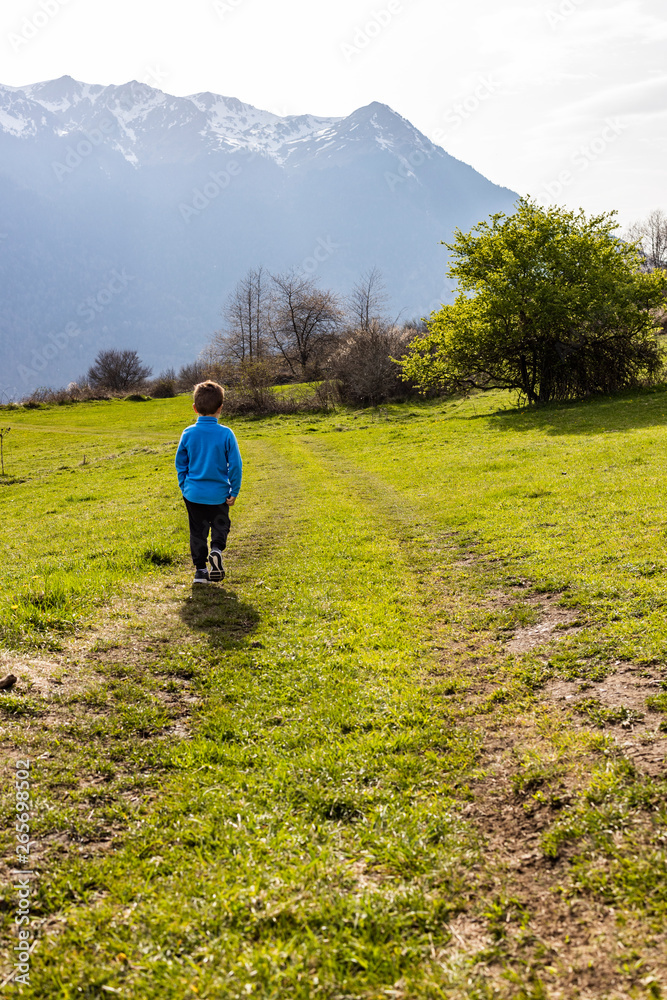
(415,745)
(180,196)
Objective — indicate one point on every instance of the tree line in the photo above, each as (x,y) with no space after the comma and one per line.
(291,329)
(283,328)
(551,304)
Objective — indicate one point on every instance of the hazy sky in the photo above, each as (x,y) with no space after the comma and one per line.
(565,100)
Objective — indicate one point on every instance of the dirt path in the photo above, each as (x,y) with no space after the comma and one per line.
(138,676)
(524,912)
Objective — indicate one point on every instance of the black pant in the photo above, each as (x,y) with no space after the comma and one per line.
(204,517)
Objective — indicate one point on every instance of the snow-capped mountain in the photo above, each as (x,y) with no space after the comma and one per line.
(183,194)
(134,114)
(146,126)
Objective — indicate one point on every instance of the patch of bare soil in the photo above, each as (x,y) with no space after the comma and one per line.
(576,947)
(552,627)
(41,676)
(638,735)
(554,622)
(528,923)
(69,686)
(129,632)
(637,730)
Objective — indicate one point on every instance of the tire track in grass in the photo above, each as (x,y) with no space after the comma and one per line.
(79,711)
(312,845)
(309,844)
(527,921)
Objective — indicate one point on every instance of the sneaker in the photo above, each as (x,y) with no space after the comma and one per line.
(217,570)
(201,576)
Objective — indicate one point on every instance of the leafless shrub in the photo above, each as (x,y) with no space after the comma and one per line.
(364,368)
(164,386)
(254,390)
(191,375)
(328,395)
(45,395)
(266,402)
(75,392)
(41,395)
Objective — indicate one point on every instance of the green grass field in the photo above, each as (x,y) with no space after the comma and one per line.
(414,746)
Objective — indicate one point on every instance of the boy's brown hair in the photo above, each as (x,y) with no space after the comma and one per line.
(208,398)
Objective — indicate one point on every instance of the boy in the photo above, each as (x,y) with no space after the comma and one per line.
(209,467)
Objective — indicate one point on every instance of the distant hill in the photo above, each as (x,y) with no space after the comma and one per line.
(127,215)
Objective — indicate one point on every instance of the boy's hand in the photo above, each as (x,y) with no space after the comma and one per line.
(231,501)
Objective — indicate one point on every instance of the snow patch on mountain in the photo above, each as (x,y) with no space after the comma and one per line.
(98,178)
(139,112)
(10,123)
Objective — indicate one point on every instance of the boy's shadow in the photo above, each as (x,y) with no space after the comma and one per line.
(219,613)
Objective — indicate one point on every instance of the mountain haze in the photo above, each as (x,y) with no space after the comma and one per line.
(127,215)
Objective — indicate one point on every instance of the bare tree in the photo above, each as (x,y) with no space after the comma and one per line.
(651,237)
(304,322)
(367,300)
(118,371)
(243,336)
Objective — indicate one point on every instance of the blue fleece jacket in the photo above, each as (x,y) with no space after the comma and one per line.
(208,462)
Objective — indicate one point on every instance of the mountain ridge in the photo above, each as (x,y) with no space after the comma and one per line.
(242,124)
(183,195)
